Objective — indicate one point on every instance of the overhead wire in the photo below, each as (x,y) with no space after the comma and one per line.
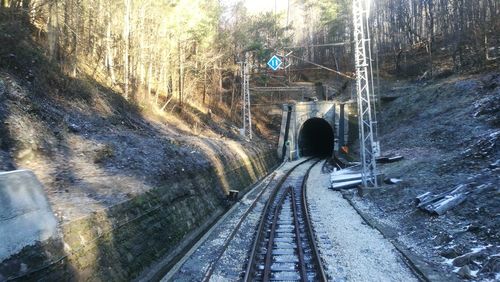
(323,67)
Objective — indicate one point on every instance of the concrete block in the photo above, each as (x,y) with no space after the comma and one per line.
(233,195)
(25,213)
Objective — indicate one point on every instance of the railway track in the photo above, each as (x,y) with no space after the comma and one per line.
(284,248)
(272,183)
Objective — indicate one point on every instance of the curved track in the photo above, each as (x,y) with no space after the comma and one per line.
(270,185)
(284,248)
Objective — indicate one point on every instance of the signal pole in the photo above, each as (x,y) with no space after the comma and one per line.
(369,148)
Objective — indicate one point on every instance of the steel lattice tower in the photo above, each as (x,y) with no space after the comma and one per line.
(245,94)
(367,123)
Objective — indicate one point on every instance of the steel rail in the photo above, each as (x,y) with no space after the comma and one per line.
(267,261)
(310,231)
(211,267)
(300,252)
(259,233)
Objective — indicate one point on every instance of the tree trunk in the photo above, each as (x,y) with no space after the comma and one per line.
(181,72)
(74,49)
(161,80)
(233,92)
(150,80)
(109,49)
(430,7)
(205,85)
(220,82)
(126,37)
(52,32)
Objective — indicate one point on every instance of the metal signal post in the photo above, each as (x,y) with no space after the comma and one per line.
(367,124)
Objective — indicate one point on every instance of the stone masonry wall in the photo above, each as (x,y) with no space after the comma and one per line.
(118,243)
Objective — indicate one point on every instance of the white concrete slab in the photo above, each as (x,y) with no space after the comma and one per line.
(25,213)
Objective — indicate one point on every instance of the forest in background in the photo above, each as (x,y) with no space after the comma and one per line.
(162,54)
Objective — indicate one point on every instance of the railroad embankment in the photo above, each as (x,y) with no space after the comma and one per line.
(447,131)
(118,242)
(126,184)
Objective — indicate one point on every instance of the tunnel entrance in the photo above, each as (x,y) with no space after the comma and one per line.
(316,138)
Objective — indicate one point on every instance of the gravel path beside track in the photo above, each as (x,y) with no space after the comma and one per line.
(351,250)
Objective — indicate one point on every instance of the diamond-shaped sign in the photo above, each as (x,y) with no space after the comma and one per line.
(274,63)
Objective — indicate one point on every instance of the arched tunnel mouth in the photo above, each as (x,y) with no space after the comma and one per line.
(316,138)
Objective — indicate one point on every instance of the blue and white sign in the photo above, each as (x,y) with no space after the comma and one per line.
(274,63)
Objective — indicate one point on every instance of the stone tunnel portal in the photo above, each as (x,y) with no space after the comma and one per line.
(316,138)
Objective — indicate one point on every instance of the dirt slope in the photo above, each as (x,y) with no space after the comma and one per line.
(90,147)
(448,132)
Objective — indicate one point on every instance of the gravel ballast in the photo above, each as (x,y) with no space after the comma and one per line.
(350,249)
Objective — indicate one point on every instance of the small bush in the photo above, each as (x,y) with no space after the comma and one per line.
(104,153)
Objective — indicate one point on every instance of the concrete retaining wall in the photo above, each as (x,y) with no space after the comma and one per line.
(118,243)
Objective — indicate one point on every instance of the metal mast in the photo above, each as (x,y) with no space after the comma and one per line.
(367,123)
(245,94)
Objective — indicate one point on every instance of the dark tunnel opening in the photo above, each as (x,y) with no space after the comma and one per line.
(316,138)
